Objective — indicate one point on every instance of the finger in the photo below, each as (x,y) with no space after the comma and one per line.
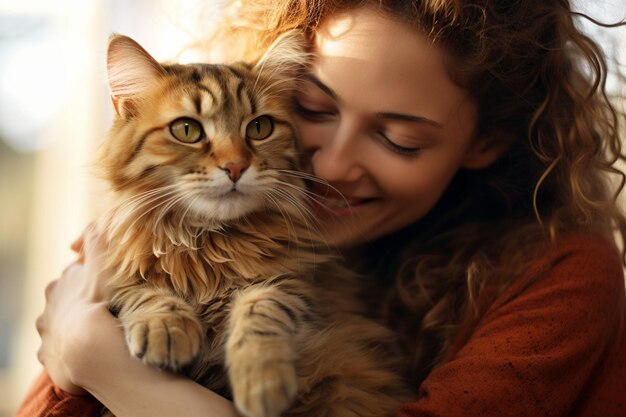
(50,288)
(77,245)
(95,250)
(40,324)
(70,269)
(41,356)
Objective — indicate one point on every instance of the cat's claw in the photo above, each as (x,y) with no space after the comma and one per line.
(269,389)
(166,340)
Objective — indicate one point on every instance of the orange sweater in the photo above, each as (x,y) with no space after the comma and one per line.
(558,348)
(47,400)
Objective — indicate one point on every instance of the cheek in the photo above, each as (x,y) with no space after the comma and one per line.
(421,184)
(312,135)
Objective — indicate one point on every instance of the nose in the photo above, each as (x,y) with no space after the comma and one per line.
(337,157)
(235,169)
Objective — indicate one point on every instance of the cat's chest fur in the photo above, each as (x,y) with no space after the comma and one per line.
(210,268)
(201,265)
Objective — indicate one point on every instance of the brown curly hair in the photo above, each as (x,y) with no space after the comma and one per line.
(540,84)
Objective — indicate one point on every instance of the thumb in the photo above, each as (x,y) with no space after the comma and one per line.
(78,246)
(95,249)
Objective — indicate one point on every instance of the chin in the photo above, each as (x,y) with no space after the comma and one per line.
(345,238)
(348,236)
(224,209)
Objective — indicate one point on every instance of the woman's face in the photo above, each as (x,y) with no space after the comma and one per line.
(384,125)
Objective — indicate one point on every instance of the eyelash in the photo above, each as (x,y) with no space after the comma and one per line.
(388,143)
(397,148)
(310,114)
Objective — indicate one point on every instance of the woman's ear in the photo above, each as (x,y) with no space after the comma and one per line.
(486,150)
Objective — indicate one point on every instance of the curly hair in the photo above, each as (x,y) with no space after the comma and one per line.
(540,85)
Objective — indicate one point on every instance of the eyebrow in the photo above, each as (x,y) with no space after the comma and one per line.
(320,85)
(383,115)
(408,118)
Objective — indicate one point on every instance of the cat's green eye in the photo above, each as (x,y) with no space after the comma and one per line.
(260,128)
(186,130)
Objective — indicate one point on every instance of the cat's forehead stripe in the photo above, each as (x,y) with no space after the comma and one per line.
(197,102)
(244,96)
(195,75)
(215,72)
(207,91)
(236,73)
(192,103)
(240,91)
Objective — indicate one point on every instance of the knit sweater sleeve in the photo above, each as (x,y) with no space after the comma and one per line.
(537,347)
(47,400)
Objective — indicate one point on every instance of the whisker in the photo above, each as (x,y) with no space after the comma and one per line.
(305,212)
(127,211)
(166,209)
(145,194)
(314,178)
(182,218)
(130,228)
(285,216)
(309,195)
(194,236)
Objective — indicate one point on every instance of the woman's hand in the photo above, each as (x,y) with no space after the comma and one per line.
(76,305)
(83,349)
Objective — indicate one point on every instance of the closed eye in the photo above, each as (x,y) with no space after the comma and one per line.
(394,147)
(311,114)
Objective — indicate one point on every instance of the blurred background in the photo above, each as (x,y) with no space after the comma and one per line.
(54,110)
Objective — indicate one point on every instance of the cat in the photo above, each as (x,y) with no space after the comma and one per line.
(217,268)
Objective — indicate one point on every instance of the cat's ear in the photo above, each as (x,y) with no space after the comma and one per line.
(131,70)
(286,57)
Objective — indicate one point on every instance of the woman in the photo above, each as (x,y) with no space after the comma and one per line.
(474,142)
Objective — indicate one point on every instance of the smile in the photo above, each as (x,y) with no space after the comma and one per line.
(344,207)
(330,201)
(335,203)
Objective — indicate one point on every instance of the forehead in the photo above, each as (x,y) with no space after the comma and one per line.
(203,90)
(385,63)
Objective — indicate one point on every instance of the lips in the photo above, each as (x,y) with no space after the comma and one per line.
(333,202)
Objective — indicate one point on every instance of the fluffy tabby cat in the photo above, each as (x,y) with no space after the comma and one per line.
(217,269)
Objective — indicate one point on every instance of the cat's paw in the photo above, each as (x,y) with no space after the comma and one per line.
(263,389)
(168,340)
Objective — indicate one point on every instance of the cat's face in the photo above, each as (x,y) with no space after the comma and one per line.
(215,142)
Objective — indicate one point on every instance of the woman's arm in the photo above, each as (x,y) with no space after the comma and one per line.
(83,347)
(103,366)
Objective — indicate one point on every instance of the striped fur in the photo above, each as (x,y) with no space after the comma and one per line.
(236,290)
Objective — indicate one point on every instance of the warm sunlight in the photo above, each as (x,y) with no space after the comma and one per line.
(54,111)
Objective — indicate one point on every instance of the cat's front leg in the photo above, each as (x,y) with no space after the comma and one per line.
(160,328)
(260,352)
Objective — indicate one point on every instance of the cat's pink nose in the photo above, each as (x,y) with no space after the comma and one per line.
(235,169)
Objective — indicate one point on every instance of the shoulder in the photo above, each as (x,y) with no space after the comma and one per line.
(571,300)
(587,251)
(540,342)
(585,268)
